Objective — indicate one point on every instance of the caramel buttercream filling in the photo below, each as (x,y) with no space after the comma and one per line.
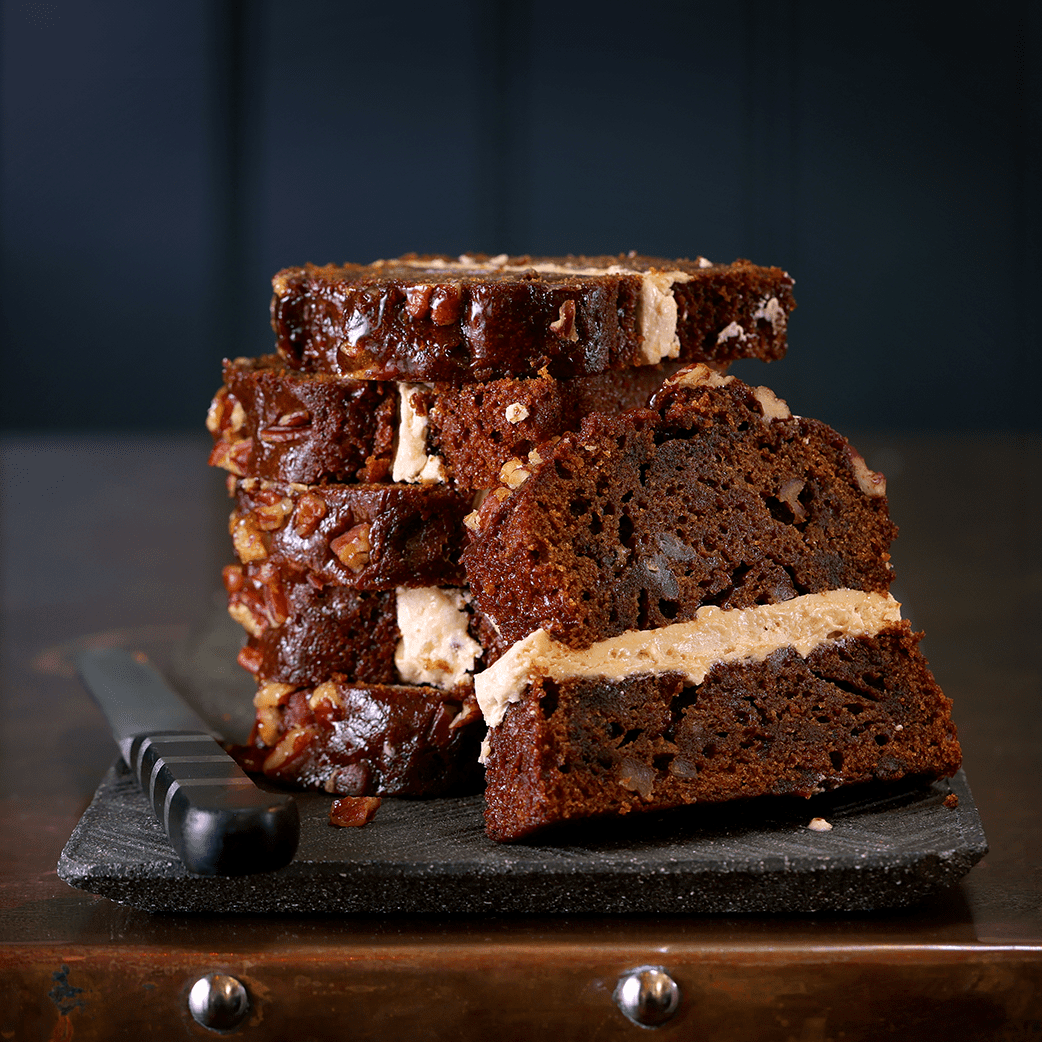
(689,648)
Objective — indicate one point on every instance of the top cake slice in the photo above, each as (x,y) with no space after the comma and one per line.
(435,318)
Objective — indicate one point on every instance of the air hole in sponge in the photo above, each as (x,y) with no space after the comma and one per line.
(668,609)
(882,739)
(613,729)
(626,531)
(579,506)
(548,703)
(678,705)
(631,736)
(662,761)
(837,760)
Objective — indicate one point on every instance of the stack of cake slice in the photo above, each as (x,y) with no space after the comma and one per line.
(450,477)
(399,391)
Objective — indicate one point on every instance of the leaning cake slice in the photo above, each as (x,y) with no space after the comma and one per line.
(692,604)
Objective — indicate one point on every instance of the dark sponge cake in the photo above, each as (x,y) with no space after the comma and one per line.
(717,495)
(370,537)
(269,421)
(299,633)
(277,423)
(457,320)
(851,711)
(357,739)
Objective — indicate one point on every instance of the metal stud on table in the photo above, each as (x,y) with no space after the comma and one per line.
(648,996)
(218,1001)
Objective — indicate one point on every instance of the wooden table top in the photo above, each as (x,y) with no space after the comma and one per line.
(125,537)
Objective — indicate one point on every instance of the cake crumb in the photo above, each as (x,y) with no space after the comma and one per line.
(354,811)
(951,801)
(516,412)
(819,825)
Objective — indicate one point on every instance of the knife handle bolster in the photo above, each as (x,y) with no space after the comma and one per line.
(217,820)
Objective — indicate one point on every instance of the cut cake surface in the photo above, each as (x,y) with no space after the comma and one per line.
(718,495)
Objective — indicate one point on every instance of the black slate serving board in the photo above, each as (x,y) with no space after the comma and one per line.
(890,846)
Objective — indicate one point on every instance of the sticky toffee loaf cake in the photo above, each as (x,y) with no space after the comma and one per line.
(355,739)
(693,606)
(482,481)
(479,318)
(349,479)
(273,422)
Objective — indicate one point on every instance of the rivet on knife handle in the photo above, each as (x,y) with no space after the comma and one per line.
(217,819)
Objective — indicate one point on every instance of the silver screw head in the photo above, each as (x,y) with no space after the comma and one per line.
(218,1001)
(648,996)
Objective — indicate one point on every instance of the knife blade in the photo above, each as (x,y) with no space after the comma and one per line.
(217,819)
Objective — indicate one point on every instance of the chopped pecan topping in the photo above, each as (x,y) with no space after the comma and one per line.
(564,326)
(249,541)
(513,473)
(354,811)
(291,426)
(276,604)
(417,299)
(446,304)
(325,692)
(216,413)
(233,456)
(250,658)
(352,548)
(238,415)
(311,508)
(271,516)
(232,577)
(271,694)
(252,623)
(291,744)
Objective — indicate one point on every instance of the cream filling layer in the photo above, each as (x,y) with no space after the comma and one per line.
(689,648)
(435,646)
(411,462)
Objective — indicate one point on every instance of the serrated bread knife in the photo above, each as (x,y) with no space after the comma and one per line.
(217,819)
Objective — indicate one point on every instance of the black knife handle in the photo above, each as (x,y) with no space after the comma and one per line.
(218,820)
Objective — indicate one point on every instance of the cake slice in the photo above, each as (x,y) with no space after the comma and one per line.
(277,423)
(369,537)
(358,739)
(715,495)
(479,318)
(301,631)
(692,604)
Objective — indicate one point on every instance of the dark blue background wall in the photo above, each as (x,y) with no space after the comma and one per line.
(160,161)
